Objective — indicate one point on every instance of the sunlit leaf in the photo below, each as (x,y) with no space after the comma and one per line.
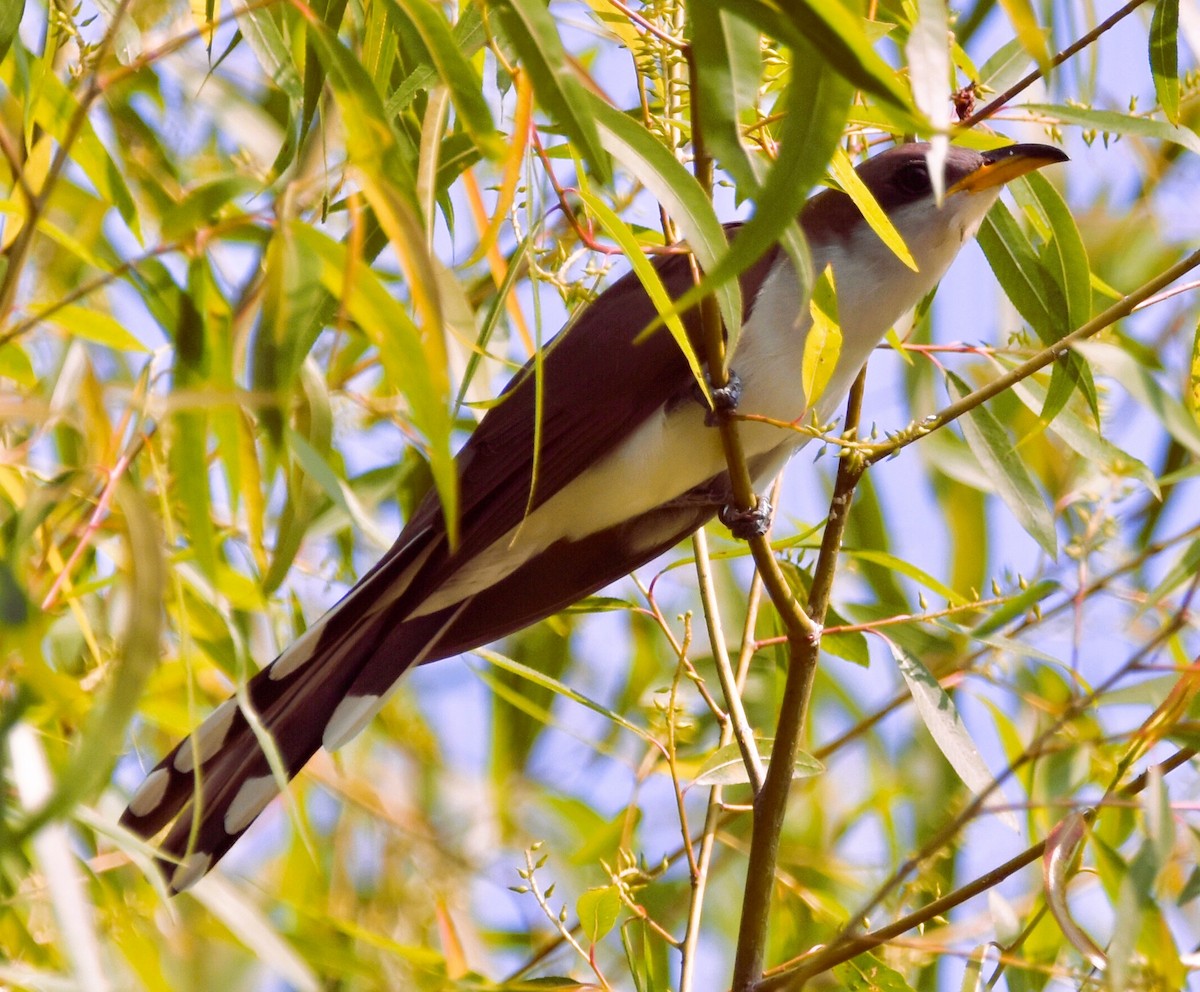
(598,910)
(811,26)
(648,276)
(866,973)
(823,343)
(873,213)
(1016,606)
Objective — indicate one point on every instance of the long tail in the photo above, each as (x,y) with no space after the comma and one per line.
(213,784)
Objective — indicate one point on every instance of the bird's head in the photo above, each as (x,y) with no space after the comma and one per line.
(875,284)
(899,180)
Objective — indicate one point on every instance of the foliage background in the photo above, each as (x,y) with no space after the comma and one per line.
(265,263)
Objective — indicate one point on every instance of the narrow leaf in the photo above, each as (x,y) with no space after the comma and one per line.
(727,50)
(941,719)
(811,26)
(96,326)
(823,343)
(931,77)
(1030,33)
(1117,123)
(677,191)
(1193,393)
(458,73)
(868,206)
(1015,607)
(1164,56)
(531,29)
(10,20)
(648,276)
(991,444)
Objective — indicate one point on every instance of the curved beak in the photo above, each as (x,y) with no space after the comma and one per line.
(1002,165)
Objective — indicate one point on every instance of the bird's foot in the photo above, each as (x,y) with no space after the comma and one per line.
(724,398)
(745,524)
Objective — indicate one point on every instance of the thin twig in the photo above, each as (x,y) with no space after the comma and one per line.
(1025,82)
(1122,308)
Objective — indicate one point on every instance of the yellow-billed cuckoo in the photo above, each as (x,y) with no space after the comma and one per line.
(628,467)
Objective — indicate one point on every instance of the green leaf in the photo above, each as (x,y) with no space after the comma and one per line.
(291,292)
(866,973)
(676,190)
(598,910)
(10,20)
(725,766)
(941,719)
(1140,383)
(1192,396)
(816,106)
(330,13)
(456,71)
(1017,269)
(1064,261)
(317,468)
(469,37)
(554,685)
(1117,123)
(389,184)
(1084,437)
(203,203)
(990,443)
(531,29)
(55,111)
(728,58)
(127,39)
(931,76)
(1006,65)
(261,29)
(1164,56)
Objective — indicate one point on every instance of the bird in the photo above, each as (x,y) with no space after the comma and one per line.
(628,464)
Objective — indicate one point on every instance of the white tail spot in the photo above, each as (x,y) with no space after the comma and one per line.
(150,793)
(298,654)
(190,871)
(351,715)
(208,738)
(251,799)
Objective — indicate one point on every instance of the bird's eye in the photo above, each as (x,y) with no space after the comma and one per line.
(914,179)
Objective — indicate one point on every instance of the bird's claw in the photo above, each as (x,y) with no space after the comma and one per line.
(745,524)
(725,398)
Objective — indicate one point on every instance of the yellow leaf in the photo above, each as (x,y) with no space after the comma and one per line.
(824,341)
